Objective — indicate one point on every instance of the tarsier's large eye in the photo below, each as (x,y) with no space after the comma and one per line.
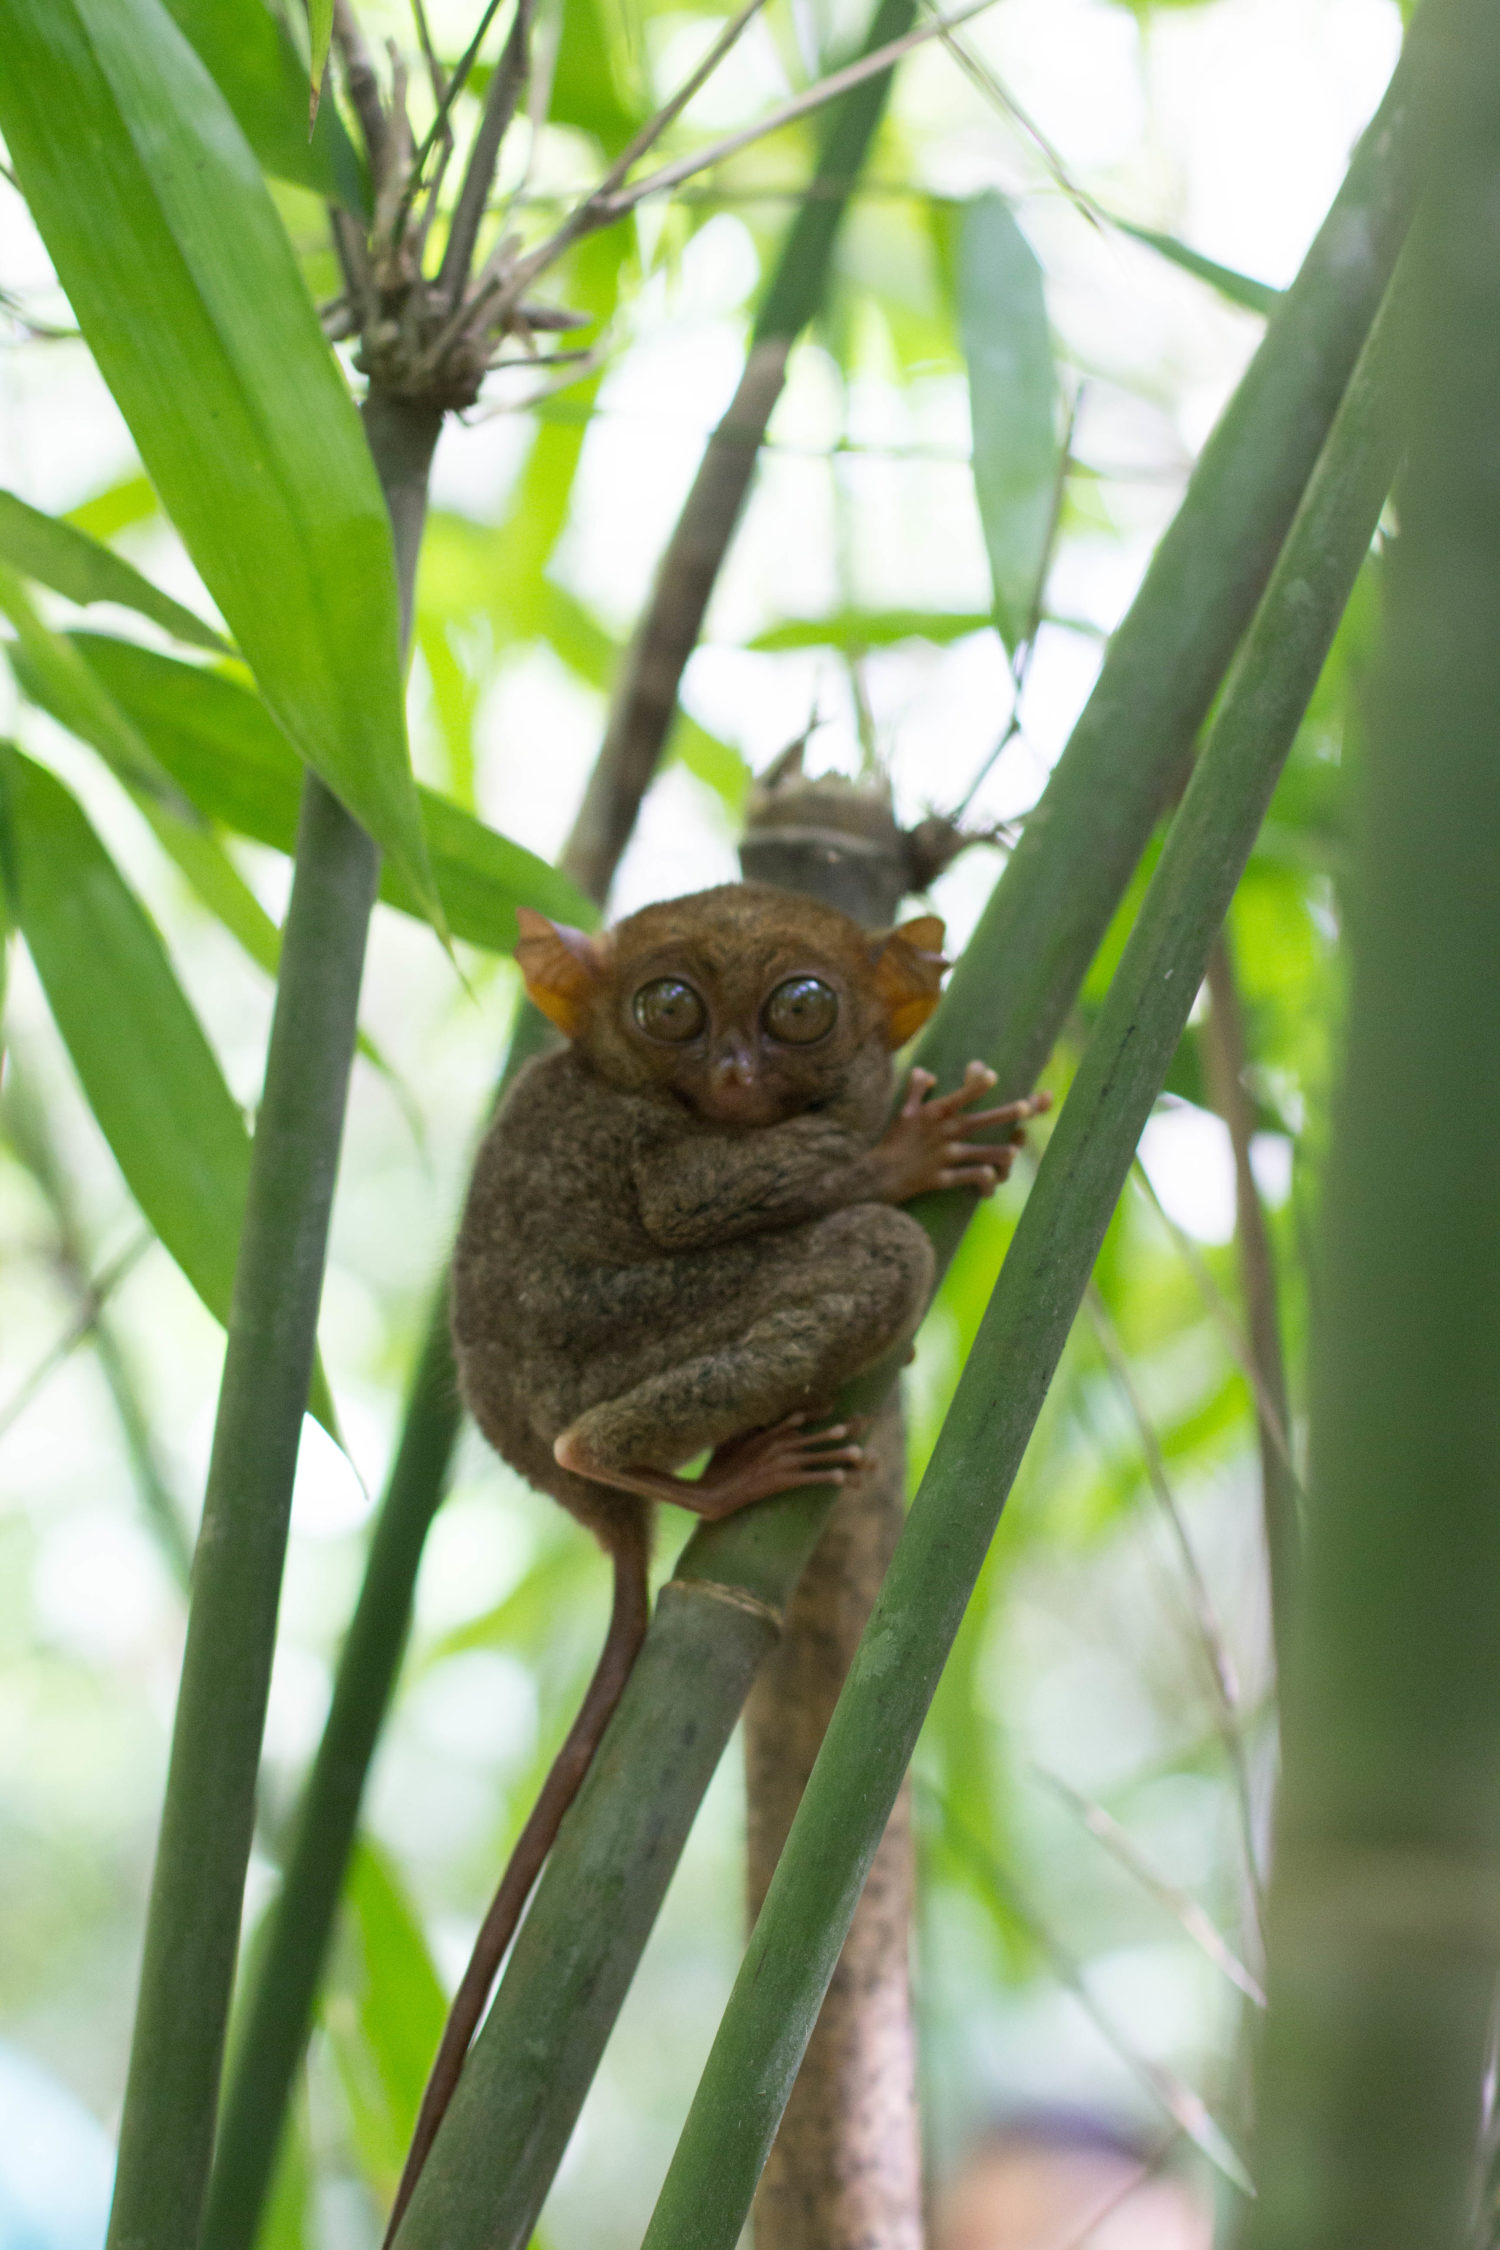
(801,1010)
(668,1009)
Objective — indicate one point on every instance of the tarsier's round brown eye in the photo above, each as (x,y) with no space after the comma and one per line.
(668,1009)
(801,1010)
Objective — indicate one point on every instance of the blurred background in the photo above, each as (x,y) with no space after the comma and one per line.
(1092,1787)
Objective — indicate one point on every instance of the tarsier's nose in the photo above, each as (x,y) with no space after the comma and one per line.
(733,1064)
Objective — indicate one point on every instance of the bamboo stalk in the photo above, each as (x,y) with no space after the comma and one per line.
(166,2137)
(575,1954)
(193,1922)
(1385,1943)
(795,1944)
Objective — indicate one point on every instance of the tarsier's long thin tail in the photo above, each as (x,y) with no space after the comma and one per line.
(627,1539)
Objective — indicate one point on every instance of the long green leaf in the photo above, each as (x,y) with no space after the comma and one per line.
(224,751)
(1239,288)
(320,35)
(61,556)
(382,2043)
(1013,402)
(874,628)
(149,1074)
(54,675)
(191,301)
(148,1071)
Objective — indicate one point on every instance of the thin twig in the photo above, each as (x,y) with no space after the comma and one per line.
(456,84)
(545,49)
(95,1294)
(800,105)
(500,105)
(1145,2172)
(353,256)
(981,76)
(1185,2108)
(1205,1618)
(1224,1319)
(1184,1909)
(1225,1054)
(363,85)
(603,207)
(438,79)
(651,132)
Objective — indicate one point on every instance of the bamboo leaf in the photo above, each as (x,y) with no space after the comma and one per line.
(1239,288)
(248,48)
(221,747)
(148,1072)
(51,671)
(320,34)
(385,2029)
(877,628)
(59,555)
(193,306)
(1013,402)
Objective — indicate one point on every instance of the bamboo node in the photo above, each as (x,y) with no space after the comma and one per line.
(736,1597)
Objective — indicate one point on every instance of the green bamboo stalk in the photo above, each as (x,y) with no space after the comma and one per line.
(576,1953)
(1384,1939)
(817,1884)
(280,2008)
(193,1922)
(279,2005)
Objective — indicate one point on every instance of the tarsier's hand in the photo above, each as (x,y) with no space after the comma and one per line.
(925,1147)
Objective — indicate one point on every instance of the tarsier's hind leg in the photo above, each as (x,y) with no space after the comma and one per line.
(829,1300)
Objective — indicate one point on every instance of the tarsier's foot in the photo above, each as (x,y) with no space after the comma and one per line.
(779,1459)
(747,1468)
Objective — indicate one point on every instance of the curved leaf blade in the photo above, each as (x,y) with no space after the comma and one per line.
(141,1055)
(191,301)
(147,1070)
(59,555)
(1013,400)
(225,752)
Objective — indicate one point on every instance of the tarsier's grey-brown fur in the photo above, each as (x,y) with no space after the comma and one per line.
(673,1244)
(666,1284)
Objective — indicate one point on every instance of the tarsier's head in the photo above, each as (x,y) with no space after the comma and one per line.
(749,1004)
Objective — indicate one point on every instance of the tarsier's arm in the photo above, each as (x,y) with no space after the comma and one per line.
(728,1185)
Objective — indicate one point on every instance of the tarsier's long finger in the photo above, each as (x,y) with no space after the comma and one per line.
(918,1087)
(978,1080)
(1002,1153)
(982,1178)
(1011,1113)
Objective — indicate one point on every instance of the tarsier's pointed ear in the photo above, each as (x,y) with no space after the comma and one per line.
(563,968)
(909,968)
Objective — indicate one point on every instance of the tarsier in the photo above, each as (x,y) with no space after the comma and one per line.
(682,1237)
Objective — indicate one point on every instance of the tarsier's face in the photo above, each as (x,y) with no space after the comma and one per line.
(750,1005)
